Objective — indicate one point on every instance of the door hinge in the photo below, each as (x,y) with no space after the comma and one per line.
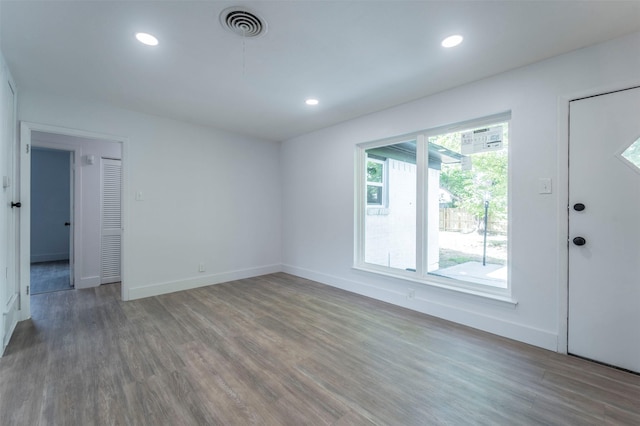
(27,148)
(27,290)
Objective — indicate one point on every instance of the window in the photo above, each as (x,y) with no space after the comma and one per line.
(391,231)
(445,198)
(375,182)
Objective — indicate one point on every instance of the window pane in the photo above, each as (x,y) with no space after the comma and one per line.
(632,153)
(374,195)
(472,186)
(390,232)
(374,171)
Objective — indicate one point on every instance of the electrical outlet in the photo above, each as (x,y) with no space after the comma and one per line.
(201,267)
(411,293)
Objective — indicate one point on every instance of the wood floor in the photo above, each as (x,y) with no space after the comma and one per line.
(280,350)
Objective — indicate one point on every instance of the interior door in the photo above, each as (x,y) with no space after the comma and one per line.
(111,220)
(604,229)
(9,217)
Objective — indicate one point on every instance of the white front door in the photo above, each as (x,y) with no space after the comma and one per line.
(604,229)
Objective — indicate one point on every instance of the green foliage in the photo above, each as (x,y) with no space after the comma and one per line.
(488,178)
(374,171)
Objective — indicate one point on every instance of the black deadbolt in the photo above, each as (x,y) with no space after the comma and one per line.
(579,241)
(578,207)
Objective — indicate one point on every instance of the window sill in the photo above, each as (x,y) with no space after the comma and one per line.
(462,287)
(377,211)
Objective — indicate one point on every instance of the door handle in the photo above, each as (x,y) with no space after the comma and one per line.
(18,204)
(579,241)
(67,224)
(578,207)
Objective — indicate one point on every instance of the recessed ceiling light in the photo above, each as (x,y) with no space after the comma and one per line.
(311,101)
(147,39)
(452,41)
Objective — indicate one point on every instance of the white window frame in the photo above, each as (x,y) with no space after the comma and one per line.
(422,161)
(384,184)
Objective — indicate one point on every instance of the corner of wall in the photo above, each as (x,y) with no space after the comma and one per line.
(201,281)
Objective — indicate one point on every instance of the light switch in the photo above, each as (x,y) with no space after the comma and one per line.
(139,196)
(544,185)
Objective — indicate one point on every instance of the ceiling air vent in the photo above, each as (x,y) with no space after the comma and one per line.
(242,22)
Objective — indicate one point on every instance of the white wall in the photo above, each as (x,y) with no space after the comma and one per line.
(318,236)
(50,205)
(208,196)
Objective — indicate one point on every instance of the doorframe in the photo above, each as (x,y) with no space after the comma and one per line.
(562,186)
(26,128)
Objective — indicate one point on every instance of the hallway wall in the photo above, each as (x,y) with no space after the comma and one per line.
(50,205)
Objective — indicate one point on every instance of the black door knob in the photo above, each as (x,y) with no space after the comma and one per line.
(67,224)
(18,204)
(579,241)
(578,207)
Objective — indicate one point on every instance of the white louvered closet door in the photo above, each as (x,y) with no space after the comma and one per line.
(111,220)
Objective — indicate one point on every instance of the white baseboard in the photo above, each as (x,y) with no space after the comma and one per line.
(501,327)
(10,320)
(201,281)
(87,282)
(49,257)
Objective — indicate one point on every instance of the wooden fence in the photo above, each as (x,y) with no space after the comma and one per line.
(459,220)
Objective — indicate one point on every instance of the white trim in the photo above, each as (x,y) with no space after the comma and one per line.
(542,338)
(11,317)
(384,203)
(422,204)
(421,275)
(443,283)
(88,282)
(201,281)
(47,128)
(562,194)
(360,199)
(26,129)
(25,224)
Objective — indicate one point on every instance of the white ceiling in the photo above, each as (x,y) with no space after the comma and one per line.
(356,57)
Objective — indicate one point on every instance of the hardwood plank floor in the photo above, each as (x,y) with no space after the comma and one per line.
(281,350)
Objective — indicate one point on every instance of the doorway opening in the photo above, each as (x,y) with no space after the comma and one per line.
(88,214)
(51,218)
